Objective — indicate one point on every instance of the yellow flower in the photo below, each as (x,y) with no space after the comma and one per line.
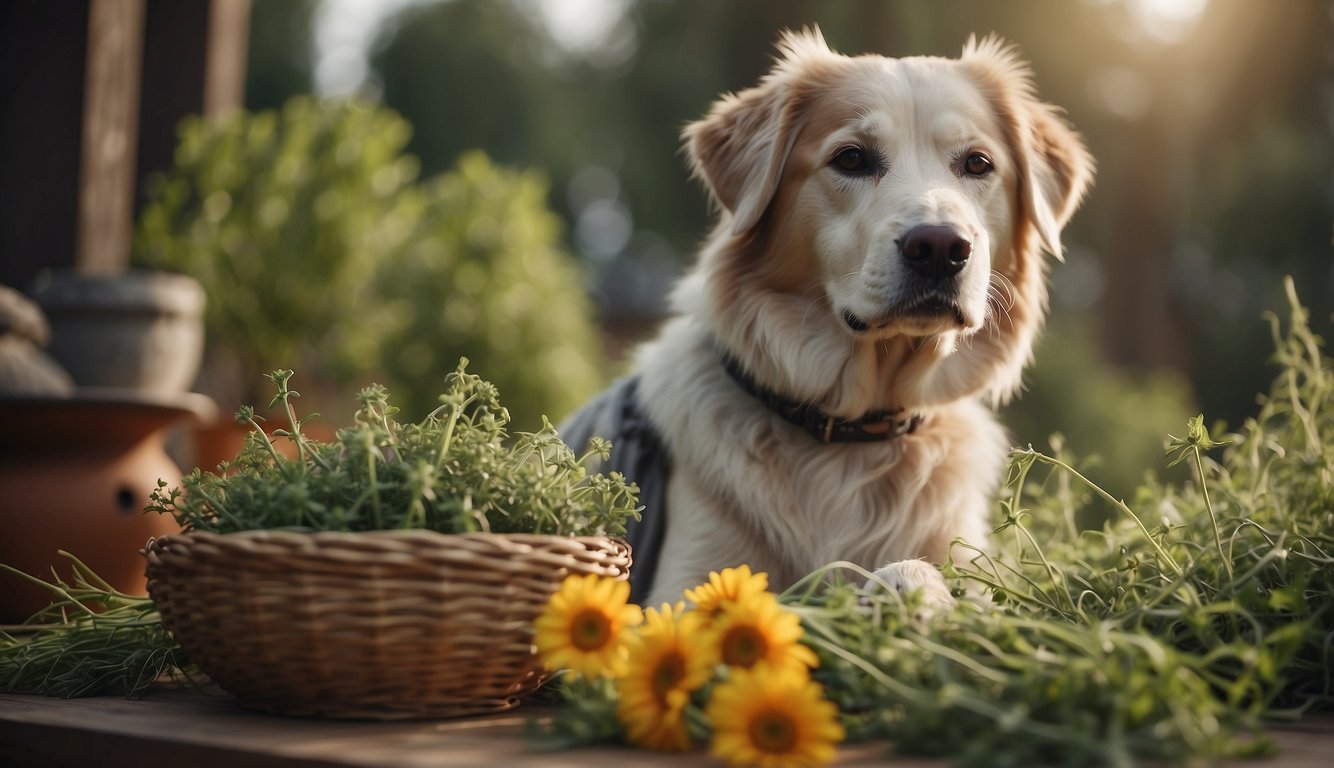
(772,718)
(582,626)
(758,629)
(670,657)
(730,586)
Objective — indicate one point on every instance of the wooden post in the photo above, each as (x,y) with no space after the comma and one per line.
(224,73)
(110,135)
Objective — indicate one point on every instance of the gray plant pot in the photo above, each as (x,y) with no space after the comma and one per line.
(140,329)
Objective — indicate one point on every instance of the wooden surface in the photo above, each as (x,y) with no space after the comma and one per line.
(186,727)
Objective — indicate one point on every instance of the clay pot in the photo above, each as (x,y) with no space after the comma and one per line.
(75,475)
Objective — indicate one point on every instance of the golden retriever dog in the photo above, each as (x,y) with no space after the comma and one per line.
(871,290)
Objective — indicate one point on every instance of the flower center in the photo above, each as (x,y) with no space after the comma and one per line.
(743,646)
(773,732)
(670,671)
(590,630)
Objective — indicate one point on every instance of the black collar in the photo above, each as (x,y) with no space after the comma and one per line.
(871,427)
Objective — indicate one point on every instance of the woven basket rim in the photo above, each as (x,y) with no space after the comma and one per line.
(275,617)
(414,536)
(426,533)
(415,549)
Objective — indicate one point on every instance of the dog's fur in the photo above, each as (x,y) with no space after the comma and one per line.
(805,282)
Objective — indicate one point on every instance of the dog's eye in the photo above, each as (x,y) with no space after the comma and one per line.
(977,164)
(854,161)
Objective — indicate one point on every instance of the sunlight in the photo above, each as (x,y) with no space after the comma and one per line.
(1168,21)
(582,25)
(344,31)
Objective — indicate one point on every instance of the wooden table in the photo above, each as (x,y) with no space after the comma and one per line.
(195,729)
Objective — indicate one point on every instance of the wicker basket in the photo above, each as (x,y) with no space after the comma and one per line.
(377,625)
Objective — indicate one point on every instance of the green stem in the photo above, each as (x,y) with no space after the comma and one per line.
(56,588)
(375,485)
(1056,583)
(218,506)
(264,436)
(447,439)
(1209,507)
(285,395)
(1115,502)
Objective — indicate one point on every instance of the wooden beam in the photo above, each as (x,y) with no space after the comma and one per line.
(110,135)
(224,72)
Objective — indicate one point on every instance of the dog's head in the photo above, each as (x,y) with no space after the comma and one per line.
(908,198)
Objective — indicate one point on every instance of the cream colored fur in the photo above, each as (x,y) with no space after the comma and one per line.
(797,247)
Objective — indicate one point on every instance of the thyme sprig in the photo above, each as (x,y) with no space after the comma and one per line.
(456,470)
(92,640)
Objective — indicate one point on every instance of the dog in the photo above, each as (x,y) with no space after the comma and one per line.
(870,293)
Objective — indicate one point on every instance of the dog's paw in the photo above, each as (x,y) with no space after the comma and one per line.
(907,576)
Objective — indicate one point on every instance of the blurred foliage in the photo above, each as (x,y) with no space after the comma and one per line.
(283,216)
(318,248)
(485,278)
(1213,141)
(1113,418)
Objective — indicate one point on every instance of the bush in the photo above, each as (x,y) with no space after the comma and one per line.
(485,278)
(284,217)
(319,249)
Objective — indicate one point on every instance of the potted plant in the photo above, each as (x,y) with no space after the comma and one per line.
(392,572)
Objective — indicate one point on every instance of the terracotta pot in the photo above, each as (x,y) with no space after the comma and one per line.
(75,475)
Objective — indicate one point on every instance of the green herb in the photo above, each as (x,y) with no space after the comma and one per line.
(456,470)
(91,641)
(1195,615)
(1175,631)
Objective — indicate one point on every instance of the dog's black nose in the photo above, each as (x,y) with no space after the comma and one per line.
(935,252)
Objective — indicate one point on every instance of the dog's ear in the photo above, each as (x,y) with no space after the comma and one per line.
(1060,171)
(740,147)
(1055,168)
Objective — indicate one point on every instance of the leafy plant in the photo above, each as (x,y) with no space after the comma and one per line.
(484,276)
(1196,612)
(284,217)
(292,218)
(91,641)
(453,471)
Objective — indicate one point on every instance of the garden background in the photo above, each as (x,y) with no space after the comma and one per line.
(1210,119)
(416,180)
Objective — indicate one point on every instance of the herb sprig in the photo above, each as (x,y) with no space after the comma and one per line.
(1197,613)
(92,640)
(457,470)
